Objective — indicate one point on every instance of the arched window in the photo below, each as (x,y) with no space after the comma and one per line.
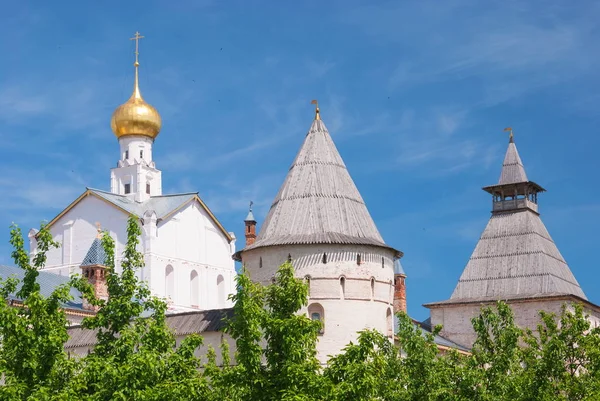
(342,287)
(221,290)
(372,288)
(390,323)
(260,262)
(148,188)
(382,263)
(324,259)
(316,312)
(194,290)
(169,282)
(358,259)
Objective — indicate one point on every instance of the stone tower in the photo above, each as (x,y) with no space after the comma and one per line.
(320,221)
(515,260)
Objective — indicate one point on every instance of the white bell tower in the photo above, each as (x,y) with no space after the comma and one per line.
(136,124)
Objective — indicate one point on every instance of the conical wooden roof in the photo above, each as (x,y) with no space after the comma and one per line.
(515,256)
(513,170)
(318,202)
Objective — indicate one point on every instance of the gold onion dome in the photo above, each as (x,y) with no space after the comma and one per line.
(135,116)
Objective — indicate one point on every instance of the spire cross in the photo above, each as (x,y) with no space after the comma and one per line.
(137,38)
(317,111)
(251,203)
(511,137)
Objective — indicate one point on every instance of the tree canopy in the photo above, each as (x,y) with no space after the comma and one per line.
(137,356)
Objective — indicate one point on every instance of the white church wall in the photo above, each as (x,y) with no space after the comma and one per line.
(191,235)
(76,230)
(342,287)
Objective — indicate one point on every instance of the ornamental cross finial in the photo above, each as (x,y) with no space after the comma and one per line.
(511,137)
(251,203)
(317,111)
(137,38)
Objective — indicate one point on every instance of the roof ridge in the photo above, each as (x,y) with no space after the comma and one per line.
(179,194)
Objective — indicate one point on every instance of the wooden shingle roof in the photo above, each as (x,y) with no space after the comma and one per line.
(515,257)
(318,202)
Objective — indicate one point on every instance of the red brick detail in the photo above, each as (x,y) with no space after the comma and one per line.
(250,232)
(96,275)
(399,293)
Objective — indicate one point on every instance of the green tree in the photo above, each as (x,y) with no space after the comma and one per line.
(562,359)
(136,357)
(275,346)
(32,358)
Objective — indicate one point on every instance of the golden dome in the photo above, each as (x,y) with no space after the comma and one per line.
(135,116)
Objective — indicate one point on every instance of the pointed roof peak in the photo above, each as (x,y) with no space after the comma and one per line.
(318,202)
(250,216)
(513,170)
(95,255)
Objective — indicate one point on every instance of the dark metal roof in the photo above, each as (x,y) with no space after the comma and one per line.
(95,255)
(181,323)
(48,283)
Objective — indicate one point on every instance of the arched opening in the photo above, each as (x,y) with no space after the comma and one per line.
(169,282)
(289,258)
(148,188)
(372,288)
(260,262)
(342,287)
(307,281)
(316,312)
(221,290)
(194,289)
(390,323)
(382,263)
(324,259)
(358,259)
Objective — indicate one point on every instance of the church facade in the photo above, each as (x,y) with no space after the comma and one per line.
(187,252)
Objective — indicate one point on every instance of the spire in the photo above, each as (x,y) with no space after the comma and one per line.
(317,111)
(250,216)
(513,170)
(318,202)
(136,85)
(250,224)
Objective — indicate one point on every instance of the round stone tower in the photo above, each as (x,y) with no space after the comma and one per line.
(320,222)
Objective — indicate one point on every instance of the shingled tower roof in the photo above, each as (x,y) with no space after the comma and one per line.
(515,256)
(318,202)
(513,170)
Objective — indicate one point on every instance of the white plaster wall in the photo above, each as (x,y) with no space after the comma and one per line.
(75,231)
(359,307)
(189,240)
(456,319)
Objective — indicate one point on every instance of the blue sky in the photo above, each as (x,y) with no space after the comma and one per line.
(415,95)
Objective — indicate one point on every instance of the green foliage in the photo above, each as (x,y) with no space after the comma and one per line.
(32,358)
(138,358)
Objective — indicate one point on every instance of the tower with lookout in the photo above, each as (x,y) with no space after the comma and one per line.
(515,261)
